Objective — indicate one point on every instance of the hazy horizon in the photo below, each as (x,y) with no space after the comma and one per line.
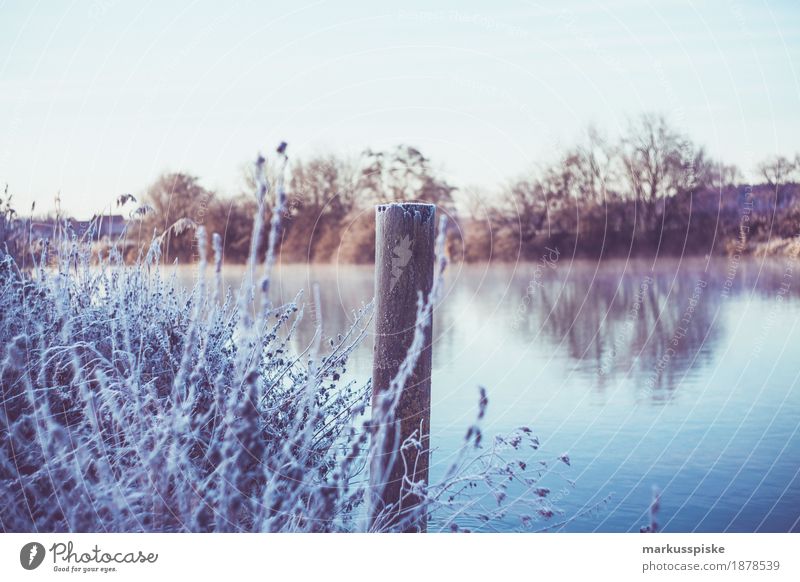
(99,97)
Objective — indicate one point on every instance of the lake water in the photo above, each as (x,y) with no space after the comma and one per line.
(681,375)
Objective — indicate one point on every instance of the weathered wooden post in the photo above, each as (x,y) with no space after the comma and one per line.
(404,259)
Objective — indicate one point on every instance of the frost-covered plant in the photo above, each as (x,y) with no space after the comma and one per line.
(128,404)
(655,507)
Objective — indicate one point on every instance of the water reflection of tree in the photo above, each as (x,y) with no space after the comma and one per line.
(635,324)
(585,311)
(342,291)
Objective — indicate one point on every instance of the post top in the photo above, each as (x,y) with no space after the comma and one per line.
(406,206)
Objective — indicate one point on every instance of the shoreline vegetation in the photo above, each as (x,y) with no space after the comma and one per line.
(650,192)
(132,406)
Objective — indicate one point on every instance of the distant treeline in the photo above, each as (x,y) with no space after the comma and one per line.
(650,190)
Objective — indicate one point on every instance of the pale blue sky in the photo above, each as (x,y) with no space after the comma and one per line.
(98,97)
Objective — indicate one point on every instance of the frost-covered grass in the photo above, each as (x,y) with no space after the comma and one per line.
(129,405)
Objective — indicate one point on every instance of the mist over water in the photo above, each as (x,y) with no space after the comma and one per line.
(680,374)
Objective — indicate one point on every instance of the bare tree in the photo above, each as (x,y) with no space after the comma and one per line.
(659,162)
(401,175)
(716,174)
(779,170)
(324,184)
(524,210)
(591,166)
(179,203)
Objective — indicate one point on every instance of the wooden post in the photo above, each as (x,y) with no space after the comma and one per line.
(404,259)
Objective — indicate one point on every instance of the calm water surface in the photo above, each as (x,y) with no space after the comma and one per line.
(681,375)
